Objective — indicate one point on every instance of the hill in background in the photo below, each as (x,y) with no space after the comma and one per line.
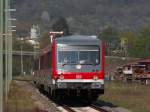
(83,16)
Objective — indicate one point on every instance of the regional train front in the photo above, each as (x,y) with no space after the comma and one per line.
(78,66)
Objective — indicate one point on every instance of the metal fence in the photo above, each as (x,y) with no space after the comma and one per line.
(5,44)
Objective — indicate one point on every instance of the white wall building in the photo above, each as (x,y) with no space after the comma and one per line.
(35,32)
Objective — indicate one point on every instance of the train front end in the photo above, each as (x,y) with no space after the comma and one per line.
(79,65)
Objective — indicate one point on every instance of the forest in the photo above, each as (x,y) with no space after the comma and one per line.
(124,25)
(83,16)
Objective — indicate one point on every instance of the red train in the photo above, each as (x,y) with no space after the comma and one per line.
(71,65)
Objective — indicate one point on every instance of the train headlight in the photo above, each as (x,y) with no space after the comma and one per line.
(95,77)
(61,77)
(96,85)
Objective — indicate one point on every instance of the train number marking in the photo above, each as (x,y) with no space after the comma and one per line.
(78,76)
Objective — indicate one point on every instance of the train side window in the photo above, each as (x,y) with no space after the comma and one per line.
(49,60)
(45,61)
(36,64)
(41,62)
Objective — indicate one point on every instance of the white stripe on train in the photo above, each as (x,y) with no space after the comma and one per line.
(79,80)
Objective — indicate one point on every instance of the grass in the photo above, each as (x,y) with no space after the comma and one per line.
(19,100)
(134,97)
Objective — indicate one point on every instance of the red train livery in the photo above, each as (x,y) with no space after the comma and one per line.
(71,65)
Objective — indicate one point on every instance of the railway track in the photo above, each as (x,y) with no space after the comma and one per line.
(98,108)
(69,109)
(78,106)
(91,108)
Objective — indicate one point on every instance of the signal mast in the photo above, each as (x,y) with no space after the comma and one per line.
(55,34)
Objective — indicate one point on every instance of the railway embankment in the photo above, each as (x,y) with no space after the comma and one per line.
(24,97)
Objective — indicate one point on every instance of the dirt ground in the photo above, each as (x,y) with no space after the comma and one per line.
(24,97)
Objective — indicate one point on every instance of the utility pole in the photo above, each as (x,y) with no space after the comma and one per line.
(21,59)
(5,41)
(8,45)
(9,31)
(1,54)
(6,49)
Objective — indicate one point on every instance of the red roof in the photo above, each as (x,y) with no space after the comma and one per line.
(147,60)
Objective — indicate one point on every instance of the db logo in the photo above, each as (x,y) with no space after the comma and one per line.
(78,76)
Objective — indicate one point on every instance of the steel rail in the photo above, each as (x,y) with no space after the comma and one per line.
(94,106)
(98,108)
(69,109)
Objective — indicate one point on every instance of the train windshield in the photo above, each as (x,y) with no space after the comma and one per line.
(89,55)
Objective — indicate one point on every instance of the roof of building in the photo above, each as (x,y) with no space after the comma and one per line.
(147,60)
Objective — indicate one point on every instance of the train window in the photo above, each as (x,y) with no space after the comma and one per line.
(79,55)
(89,57)
(68,57)
(41,62)
(36,64)
(45,61)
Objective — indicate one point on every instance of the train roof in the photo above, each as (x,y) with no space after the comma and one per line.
(74,40)
(78,38)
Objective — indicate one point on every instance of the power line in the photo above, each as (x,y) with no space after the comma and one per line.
(27,53)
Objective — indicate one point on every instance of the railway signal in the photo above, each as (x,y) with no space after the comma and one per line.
(54,34)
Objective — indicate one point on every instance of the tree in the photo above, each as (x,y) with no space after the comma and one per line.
(144,32)
(142,44)
(127,43)
(44,40)
(137,44)
(110,36)
(61,25)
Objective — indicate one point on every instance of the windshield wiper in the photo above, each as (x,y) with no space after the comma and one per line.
(64,64)
(69,64)
(94,64)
